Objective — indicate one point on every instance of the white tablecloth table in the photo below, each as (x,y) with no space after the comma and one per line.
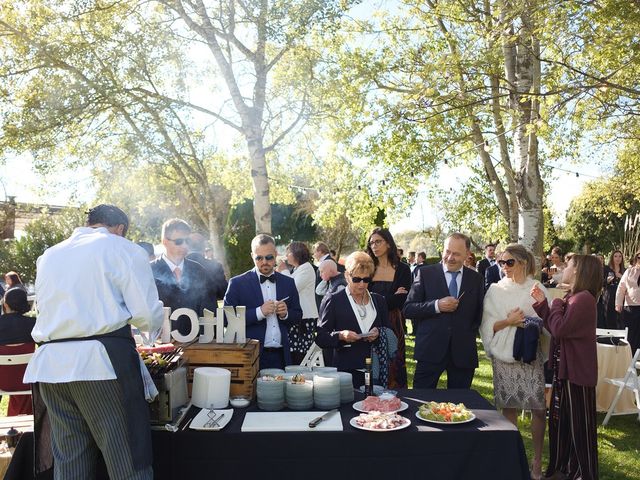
(613,361)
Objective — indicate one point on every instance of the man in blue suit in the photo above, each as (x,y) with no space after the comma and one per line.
(445,302)
(271,300)
(493,274)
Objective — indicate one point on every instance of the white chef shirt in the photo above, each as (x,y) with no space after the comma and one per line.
(272,335)
(92,283)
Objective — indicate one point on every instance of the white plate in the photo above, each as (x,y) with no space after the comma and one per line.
(358,406)
(473,417)
(354,424)
(199,421)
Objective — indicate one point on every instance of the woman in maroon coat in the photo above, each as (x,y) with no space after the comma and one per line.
(573,447)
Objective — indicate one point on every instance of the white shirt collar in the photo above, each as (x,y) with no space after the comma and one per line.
(445,270)
(172,265)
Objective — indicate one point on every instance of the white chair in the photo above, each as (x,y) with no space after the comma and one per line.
(630,382)
(608,332)
(314,357)
(20,359)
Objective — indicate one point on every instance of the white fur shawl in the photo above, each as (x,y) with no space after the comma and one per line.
(500,299)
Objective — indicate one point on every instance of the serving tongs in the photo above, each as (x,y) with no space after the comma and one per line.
(214,418)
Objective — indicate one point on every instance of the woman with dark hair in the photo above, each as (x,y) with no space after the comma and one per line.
(302,335)
(573,447)
(392,280)
(628,299)
(15,339)
(613,274)
(13,280)
(556,266)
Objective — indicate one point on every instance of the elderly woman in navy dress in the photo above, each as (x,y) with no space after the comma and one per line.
(352,320)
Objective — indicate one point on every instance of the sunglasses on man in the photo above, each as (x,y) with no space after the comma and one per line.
(509,263)
(268,258)
(179,241)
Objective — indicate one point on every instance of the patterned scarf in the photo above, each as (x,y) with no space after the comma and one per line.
(381,350)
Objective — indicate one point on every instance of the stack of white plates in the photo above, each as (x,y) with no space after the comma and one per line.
(325,369)
(270,394)
(271,371)
(346,387)
(326,391)
(299,395)
(297,369)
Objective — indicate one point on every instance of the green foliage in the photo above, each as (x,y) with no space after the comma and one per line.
(289,223)
(238,233)
(43,232)
(596,217)
(433,260)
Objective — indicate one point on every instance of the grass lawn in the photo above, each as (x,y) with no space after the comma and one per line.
(618,443)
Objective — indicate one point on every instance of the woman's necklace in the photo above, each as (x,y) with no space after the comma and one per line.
(362,308)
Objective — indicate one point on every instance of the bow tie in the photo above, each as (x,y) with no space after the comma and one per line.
(270,278)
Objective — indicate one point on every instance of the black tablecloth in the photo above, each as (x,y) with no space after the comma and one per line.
(488,447)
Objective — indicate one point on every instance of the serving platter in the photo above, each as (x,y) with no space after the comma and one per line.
(202,419)
(354,424)
(358,406)
(470,419)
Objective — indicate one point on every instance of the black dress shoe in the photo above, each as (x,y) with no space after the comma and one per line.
(554,476)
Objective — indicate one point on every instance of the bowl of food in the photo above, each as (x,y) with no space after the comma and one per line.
(239,401)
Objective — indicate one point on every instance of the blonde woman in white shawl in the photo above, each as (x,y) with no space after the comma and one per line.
(517,385)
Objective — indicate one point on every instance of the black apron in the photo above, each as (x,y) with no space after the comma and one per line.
(124,358)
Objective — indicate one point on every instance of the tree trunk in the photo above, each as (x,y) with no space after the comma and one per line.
(522,69)
(259,175)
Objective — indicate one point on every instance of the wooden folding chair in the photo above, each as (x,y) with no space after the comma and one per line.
(18,359)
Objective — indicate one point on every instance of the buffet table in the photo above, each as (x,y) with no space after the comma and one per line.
(488,447)
(613,361)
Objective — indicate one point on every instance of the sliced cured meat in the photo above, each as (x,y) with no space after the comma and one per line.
(371,404)
(163,348)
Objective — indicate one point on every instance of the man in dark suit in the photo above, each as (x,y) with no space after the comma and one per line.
(181,282)
(488,260)
(493,274)
(216,281)
(272,303)
(445,302)
(321,253)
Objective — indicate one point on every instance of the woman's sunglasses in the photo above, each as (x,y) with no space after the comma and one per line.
(509,263)
(361,279)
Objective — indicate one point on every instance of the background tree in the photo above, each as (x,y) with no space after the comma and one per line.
(457,81)
(43,232)
(249,40)
(597,218)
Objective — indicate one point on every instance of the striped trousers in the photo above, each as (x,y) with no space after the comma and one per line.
(573,442)
(87,418)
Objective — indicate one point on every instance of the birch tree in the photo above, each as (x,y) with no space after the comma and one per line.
(249,40)
(456,82)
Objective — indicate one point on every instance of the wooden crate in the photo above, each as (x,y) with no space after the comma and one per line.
(241,359)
